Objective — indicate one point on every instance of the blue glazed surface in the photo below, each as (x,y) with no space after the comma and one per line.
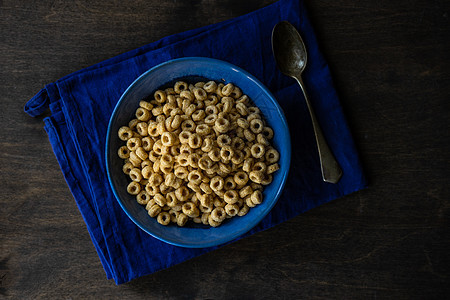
(191,68)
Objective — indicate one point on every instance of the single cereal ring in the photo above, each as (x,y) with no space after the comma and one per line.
(146,163)
(258,150)
(249,135)
(123,152)
(216,183)
(212,100)
(190,110)
(164,189)
(152,129)
(242,109)
(147,143)
(168,138)
(198,115)
(267,179)
(176,122)
(256,125)
(211,109)
(127,168)
(133,143)
(228,103)
(226,153)
(125,133)
(272,156)
(132,124)
(135,175)
(200,94)
(254,110)
(184,136)
(142,198)
(222,125)
(167,160)
(152,190)
(166,169)
(238,157)
(146,105)
(210,86)
(259,166)
(227,89)
(187,95)
(195,177)
(223,140)
(212,222)
(182,219)
(141,153)
(190,210)
(224,168)
(211,119)
(154,210)
(158,110)
(207,144)
(180,86)
(181,172)
(256,176)
(147,171)
(155,179)
(229,183)
(267,132)
(218,214)
(143,114)
(205,162)
(248,201)
(171,199)
(185,149)
(183,159)
(133,188)
(231,197)
(206,188)
(202,130)
(236,93)
(243,211)
(188,125)
(231,209)
(199,84)
(160,96)
(163,218)
(193,160)
(142,128)
(195,141)
(170,179)
(245,191)
(256,197)
(206,208)
(214,154)
(241,178)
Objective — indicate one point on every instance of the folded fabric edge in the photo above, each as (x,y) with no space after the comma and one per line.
(58,150)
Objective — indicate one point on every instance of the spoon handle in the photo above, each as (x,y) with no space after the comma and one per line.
(331,171)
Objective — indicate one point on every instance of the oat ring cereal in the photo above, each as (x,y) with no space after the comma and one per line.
(197,152)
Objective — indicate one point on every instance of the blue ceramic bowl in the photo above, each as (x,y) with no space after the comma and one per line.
(192,69)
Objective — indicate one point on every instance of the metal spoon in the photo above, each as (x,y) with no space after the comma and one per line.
(290,54)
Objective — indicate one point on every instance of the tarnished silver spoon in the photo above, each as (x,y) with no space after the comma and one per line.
(290,54)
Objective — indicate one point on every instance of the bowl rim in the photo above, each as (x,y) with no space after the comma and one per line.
(287,144)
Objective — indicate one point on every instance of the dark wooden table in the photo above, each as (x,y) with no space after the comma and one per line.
(390,61)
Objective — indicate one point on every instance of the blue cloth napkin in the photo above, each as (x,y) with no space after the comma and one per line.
(82,102)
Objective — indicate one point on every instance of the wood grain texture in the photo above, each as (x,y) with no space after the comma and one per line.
(390,64)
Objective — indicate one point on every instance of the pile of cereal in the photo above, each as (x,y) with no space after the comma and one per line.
(198,151)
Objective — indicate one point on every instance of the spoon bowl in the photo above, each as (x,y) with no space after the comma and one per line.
(289,49)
